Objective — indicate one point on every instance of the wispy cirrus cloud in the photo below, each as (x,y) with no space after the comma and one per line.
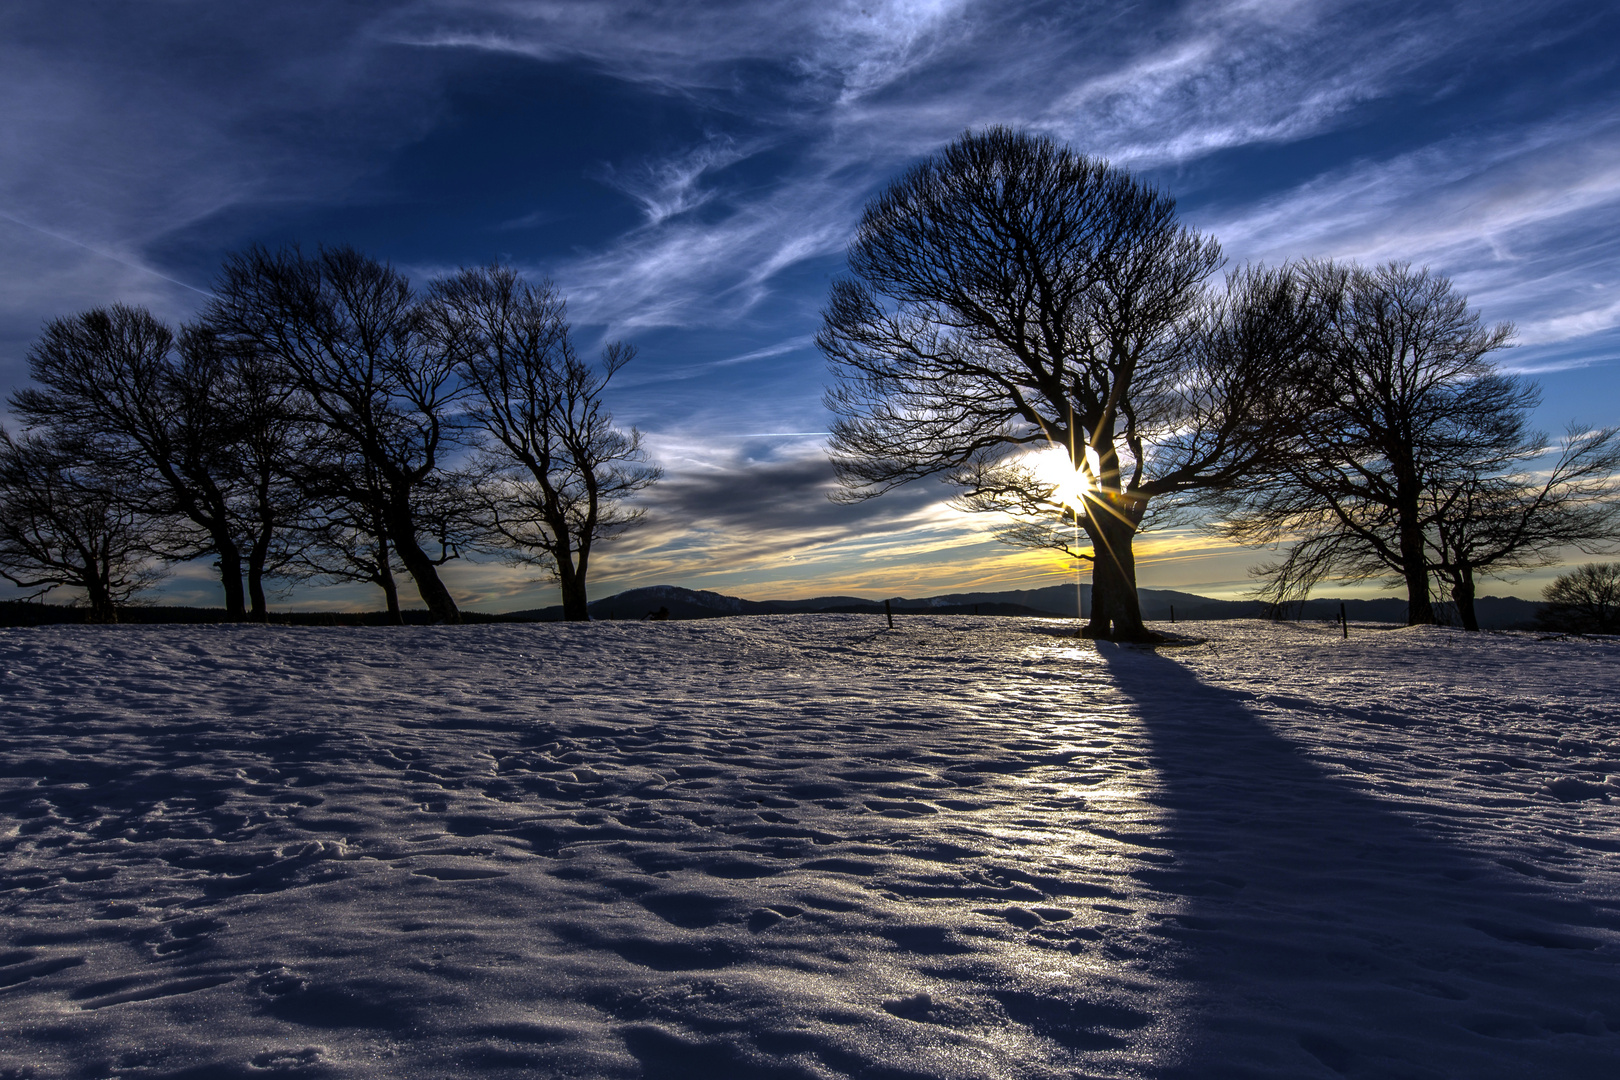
(667,373)
(850,93)
(671,186)
(1240,74)
(843,93)
(751,513)
(121,127)
(691,272)
(837,49)
(1526,221)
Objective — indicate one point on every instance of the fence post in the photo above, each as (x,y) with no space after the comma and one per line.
(889,611)
(1344,620)
(1172,613)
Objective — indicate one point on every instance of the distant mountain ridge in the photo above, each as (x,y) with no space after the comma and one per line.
(1158,605)
(1054,601)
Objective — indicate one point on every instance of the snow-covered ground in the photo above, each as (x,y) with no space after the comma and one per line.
(807,846)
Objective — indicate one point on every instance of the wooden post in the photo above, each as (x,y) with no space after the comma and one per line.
(1344,620)
(889,611)
(1172,613)
(975,609)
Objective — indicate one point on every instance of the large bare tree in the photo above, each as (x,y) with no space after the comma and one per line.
(559,471)
(1009,293)
(1406,405)
(349,332)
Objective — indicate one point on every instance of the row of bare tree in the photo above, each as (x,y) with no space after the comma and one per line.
(1005,294)
(320,419)
(1010,294)
(1412,456)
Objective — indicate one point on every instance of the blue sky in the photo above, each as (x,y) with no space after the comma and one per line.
(689,174)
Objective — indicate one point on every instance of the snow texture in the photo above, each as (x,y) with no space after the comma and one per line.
(807,846)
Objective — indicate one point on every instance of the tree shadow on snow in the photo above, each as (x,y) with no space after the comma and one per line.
(1318,932)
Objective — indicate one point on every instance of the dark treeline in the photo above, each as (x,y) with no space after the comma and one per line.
(319,420)
(1010,294)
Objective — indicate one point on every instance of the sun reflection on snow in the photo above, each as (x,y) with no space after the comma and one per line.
(1077,812)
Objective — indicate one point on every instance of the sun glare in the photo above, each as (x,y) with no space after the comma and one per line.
(1052,466)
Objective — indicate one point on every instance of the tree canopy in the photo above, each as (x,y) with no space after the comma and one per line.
(1008,293)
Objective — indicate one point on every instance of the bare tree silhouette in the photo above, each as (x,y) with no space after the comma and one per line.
(1585,600)
(67,523)
(349,332)
(1010,293)
(1495,524)
(157,414)
(558,472)
(1404,461)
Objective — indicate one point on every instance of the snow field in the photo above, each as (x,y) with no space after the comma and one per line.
(805,846)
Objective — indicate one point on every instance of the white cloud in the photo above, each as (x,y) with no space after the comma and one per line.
(686,272)
(1526,222)
(874,85)
(671,186)
(664,374)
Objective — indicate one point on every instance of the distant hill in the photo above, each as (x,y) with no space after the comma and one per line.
(1158,605)
(1053,601)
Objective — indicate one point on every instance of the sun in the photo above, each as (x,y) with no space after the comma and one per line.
(1052,466)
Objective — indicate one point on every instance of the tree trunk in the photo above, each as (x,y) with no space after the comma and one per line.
(1462,593)
(259,553)
(260,610)
(1419,609)
(1116,612)
(439,602)
(1414,557)
(207,508)
(230,576)
(1110,603)
(99,598)
(385,580)
(391,596)
(574,603)
(256,560)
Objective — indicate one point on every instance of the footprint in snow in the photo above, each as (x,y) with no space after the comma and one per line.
(767,917)
(458,873)
(20,967)
(916,1007)
(287,1060)
(185,935)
